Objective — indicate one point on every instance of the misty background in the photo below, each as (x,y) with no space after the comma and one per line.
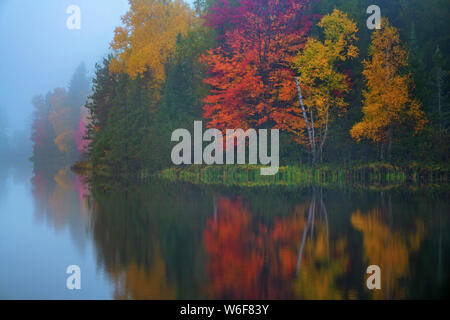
(39,53)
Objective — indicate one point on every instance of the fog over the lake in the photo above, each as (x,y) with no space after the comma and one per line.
(39,53)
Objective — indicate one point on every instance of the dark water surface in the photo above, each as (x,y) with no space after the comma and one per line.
(162,240)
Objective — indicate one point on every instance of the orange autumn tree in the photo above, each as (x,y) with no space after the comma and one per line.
(250,70)
(387,100)
(321,85)
(149,37)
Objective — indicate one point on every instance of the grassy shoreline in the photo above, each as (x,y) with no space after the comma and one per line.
(377,174)
(373,174)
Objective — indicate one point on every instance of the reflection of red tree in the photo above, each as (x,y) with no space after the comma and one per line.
(235,251)
(248,261)
(286,233)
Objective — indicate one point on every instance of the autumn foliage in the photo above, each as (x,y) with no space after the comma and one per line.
(250,72)
(149,36)
(58,126)
(388,101)
(292,65)
(322,84)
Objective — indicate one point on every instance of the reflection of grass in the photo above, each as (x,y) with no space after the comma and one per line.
(375,175)
(82,166)
(86,168)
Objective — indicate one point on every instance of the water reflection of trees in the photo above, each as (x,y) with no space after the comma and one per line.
(159,241)
(62,201)
(138,282)
(292,257)
(148,238)
(388,247)
(318,276)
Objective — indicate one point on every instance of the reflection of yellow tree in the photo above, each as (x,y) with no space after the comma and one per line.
(388,249)
(317,266)
(320,272)
(137,282)
(63,180)
(61,199)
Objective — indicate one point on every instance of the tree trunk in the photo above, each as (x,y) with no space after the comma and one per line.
(309,127)
(324,138)
(312,207)
(314,152)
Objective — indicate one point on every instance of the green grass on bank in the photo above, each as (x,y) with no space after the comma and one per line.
(374,174)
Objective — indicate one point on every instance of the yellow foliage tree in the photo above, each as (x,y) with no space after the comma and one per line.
(149,36)
(323,85)
(387,99)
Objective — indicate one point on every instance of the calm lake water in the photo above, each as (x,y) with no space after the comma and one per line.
(163,240)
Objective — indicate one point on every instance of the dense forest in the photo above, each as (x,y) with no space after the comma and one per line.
(339,92)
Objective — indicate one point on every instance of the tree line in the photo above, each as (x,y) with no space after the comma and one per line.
(59,124)
(338,92)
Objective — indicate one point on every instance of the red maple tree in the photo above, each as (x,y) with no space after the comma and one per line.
(251,79)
